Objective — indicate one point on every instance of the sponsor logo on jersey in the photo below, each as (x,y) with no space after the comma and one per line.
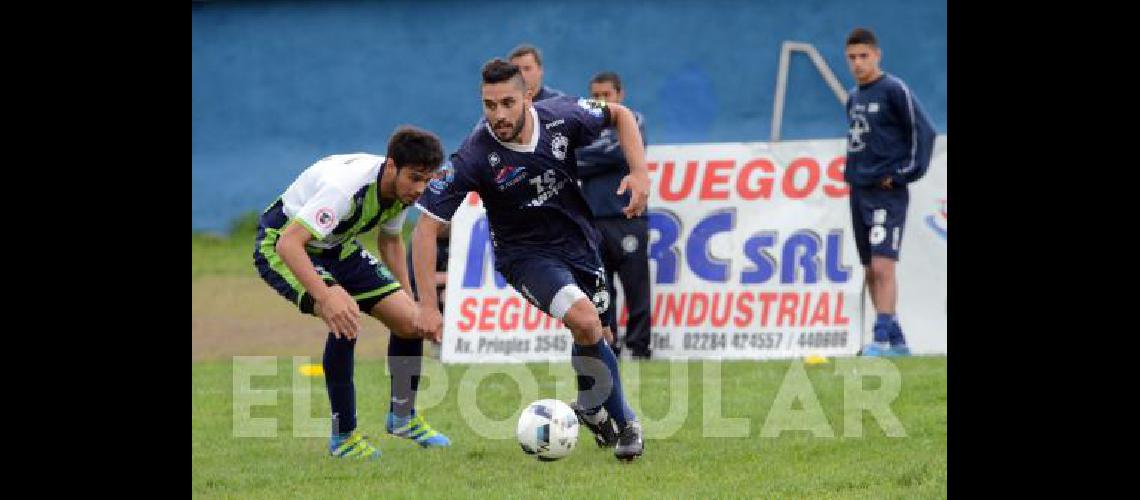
(508,176)
(326,218)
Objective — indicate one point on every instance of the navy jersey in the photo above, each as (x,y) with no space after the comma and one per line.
(888,135)
(530,191)
(602,166)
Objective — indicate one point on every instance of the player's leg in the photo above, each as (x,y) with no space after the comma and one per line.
(550,285)
(860,216)
(602,399)
(634,271)
(897,201)
(378,293)
(611,261)
(885,215)
(598,356)
(337,359)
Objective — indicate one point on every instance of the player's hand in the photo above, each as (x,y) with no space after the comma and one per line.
(638,187)
(886,182)
(340,312)
(429,323)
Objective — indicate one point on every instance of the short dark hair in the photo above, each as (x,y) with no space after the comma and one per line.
(608,76)
(416,148)
(525,49)
(497,71)
(862,35)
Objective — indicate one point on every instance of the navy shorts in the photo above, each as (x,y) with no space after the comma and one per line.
(542,278)
(348,265)
(878,217)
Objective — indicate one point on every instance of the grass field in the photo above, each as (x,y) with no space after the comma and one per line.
(234,314)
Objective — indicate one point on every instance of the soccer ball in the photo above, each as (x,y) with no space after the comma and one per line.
(548,429)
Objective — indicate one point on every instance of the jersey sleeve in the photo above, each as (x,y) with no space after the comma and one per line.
(323,211)
(443,196)
(588,117)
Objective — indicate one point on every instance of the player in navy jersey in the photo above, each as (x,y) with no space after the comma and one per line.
(521,161)
(890,144)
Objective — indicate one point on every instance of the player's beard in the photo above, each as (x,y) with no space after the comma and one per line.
(518,127)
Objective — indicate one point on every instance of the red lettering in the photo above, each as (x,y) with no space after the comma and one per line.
(695,319)
(789,185)
(788,302)
(767,298)
(654,314)
(721,320)
(675,309)
(804,309)
(835,173)
(488,313)
(511,321)
(765,183)
(467,314)
(686,185)
(819,317)
(840,319)
(530,323)
(713,179)
(741,307)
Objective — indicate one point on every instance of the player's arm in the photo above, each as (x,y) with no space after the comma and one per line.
(921,137)
(441,276)
(429,322)
(334,305)
(392,253)
(390,242)
(632,145)
(437,206)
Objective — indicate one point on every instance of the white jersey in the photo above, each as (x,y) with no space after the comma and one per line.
(337,198)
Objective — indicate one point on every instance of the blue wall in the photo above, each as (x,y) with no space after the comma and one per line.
(277,85)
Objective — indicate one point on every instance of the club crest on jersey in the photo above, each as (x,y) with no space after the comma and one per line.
(326,219)
(859,127)
(558,146)
(594,106)
(493,159)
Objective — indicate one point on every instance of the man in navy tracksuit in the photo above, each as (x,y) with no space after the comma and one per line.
(601,166)
(890,144)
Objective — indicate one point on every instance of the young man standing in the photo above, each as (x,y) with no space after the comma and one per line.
(890,144)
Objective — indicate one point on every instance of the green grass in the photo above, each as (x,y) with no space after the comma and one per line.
(684,463)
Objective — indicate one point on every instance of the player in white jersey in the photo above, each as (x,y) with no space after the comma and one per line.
(308,252)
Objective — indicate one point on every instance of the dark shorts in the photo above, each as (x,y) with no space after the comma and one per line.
(350,266)
(878,217)
(540,278)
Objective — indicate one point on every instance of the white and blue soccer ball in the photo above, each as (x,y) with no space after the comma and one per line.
(548,429)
